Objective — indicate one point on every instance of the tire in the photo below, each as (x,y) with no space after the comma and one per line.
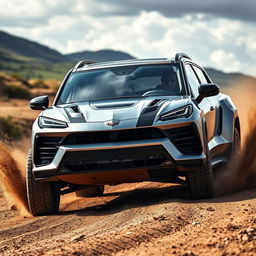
(201,181)
(91,191)
(43,197)
(236,146)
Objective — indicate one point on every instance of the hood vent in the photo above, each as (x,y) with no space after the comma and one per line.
(154,102)
(75,109)
(113,104)
(74,114)
(154,105)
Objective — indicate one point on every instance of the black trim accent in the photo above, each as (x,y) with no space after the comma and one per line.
(44,174)
(221,150)
(180,55)
(56,101)
(191,164)
(92,137)
(75,108)
(154,102)
(148,115)
(186,139)
(46,149)
(113,159)
(219,122)
(164,173)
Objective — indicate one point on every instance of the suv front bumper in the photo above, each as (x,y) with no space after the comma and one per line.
(121,155)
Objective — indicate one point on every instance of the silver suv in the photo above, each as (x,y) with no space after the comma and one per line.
(134,120)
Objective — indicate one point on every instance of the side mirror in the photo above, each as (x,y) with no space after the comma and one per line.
(207,90)
(39,103)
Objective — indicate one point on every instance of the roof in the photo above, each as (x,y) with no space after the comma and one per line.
(90,65)
(87,65)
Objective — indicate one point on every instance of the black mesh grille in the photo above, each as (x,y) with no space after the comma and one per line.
(113,136)
(185,139)
(45,150)
(114,159)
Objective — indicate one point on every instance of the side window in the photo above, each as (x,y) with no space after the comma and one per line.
(192,80)
(201,75)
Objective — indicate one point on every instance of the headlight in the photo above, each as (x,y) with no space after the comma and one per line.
(177,113)
(45,122)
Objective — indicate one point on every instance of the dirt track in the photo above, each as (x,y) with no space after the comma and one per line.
(136,219)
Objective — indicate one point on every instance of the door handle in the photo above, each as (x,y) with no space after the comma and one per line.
(212,108)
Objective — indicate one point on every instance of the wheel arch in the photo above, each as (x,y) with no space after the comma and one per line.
(237,124)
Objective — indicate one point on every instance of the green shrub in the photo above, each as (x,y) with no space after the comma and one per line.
(16,76)
(14,91)
(9,128)
(39,84)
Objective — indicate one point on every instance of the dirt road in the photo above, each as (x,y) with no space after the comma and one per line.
(140,219)
(136,219)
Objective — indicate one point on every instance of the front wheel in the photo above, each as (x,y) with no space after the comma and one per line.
(201,181)
(43,197)
(236,146)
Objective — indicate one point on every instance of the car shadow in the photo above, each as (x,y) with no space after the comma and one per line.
(148,196)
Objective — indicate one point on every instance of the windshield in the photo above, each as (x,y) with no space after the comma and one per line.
(122,82)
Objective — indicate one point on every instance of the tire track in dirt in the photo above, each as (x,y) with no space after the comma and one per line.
(184,224)
(115,243)
(93,221)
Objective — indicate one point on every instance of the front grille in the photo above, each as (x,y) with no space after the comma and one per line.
(114,159)
(113,136)
(46,149)
(186,139)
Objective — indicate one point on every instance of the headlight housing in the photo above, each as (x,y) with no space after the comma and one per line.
(181,112)
(46,122)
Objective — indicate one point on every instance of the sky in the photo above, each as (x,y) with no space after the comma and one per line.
(219,33)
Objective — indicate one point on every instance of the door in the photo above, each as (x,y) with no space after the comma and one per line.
(213,100)
(205,104)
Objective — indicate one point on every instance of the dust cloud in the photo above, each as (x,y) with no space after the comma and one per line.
(236,176)
(12,178)
(240,173)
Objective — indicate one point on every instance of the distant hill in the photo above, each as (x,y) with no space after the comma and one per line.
(221,78)
(102,55)
(13,48)
(29,59)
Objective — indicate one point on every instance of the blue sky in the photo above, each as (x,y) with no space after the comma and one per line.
(220,33)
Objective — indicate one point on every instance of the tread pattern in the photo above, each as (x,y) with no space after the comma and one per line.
(43,197)
(201,181)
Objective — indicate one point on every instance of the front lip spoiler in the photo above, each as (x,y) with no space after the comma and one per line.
(165,142)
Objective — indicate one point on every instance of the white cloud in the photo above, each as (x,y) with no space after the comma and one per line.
(225,60)
(70,26)
(18,9)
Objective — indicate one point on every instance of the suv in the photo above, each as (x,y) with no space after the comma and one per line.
(125,121)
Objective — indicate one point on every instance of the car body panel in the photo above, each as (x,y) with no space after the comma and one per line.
(213,119)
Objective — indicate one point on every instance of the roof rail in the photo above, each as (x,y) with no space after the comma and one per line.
(180,55)
(83,62)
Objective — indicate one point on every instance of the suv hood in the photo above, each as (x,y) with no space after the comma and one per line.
(115,109)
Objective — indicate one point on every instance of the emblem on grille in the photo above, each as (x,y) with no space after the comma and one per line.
(112,122)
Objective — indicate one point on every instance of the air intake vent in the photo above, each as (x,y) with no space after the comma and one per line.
(154,102)
(46,149)
(185,139)
(114,159)
(113,136)
(75,109)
